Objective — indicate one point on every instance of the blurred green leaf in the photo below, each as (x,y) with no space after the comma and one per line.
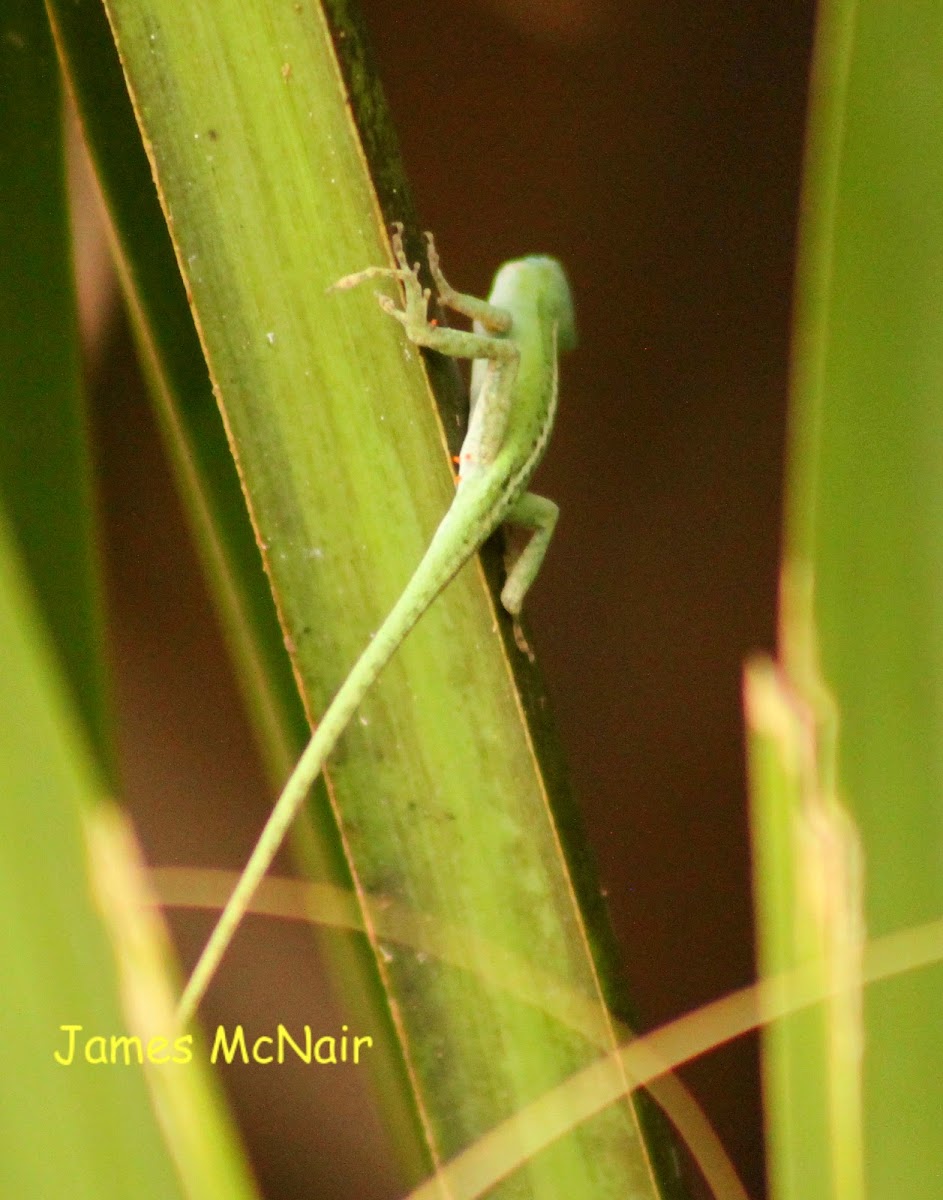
(58,967)
(85,1128)
(862,631)
(44,465)
(78,1128)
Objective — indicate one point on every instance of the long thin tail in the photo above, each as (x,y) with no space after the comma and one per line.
(405,613)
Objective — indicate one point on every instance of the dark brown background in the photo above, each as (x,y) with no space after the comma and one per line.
(656,150)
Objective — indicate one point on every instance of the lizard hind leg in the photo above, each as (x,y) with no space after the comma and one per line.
(539,516)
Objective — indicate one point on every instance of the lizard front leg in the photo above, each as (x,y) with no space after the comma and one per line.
(499,352)
(489,316)
(414,318)
(414,315)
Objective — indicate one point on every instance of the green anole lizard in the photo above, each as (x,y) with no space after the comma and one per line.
(517,333)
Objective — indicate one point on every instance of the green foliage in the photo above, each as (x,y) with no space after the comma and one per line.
(859,820)
(83,1128)
(443,791)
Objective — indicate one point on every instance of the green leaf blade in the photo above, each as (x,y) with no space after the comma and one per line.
(861,620)
(436,785)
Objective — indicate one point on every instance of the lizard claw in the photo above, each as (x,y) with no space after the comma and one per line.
(386,304)
(521,641)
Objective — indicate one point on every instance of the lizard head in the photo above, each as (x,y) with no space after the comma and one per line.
(540,280)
